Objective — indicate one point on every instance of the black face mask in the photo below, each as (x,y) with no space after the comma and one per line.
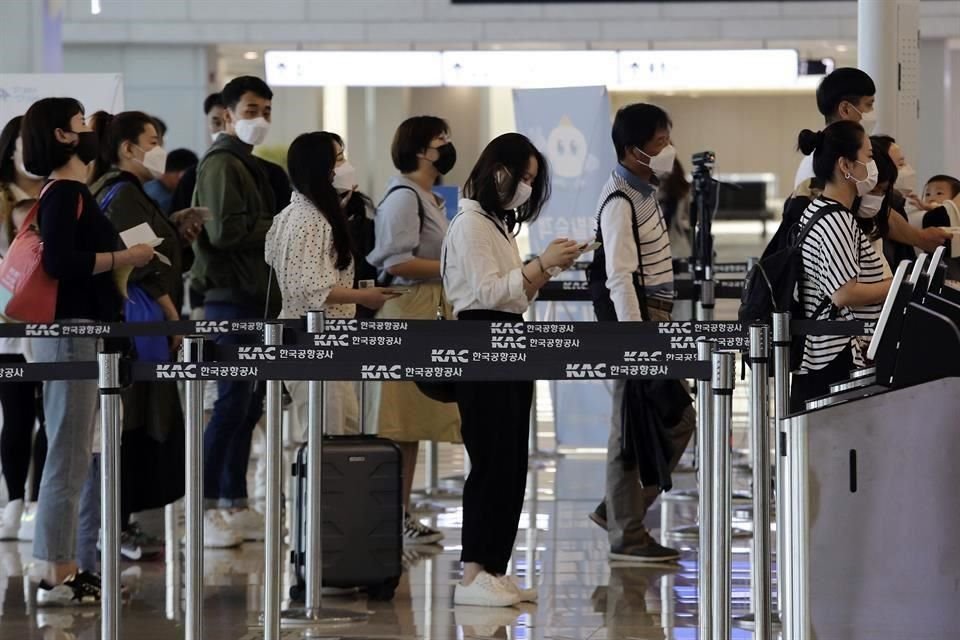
(87,147)
(447,158)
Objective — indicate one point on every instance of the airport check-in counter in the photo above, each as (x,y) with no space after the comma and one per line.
(874,474)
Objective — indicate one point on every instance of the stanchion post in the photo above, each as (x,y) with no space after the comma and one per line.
(273,336)
(781,385)
(761,582)
(193,502)
(707,299)
(109,383)
(722,382)
(705,469)
(316,421)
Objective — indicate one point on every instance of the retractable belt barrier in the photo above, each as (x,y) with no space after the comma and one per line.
(579,290)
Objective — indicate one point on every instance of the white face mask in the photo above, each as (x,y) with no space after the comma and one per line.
(870,205)
(868,120)
(253,132)
(869,183)
(345,177)
(155,161)
(18,161)
(214,136)
(520,196)
(906,179)
(662,163)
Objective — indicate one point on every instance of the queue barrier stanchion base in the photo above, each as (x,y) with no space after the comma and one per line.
(748,622)
(315,623)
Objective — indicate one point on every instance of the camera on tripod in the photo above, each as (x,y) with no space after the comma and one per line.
(701,214)
(704,161)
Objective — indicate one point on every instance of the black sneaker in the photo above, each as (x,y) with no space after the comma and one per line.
(650,552)
(599,516)
(79,590)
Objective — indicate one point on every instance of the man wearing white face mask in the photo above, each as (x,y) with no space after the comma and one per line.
(230,272)
(632,280)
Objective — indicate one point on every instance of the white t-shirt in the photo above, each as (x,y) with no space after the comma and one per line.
(835,251)
(804,171)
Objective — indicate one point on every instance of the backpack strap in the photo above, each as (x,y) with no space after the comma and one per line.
(421,214)
(639,282)
(798,244)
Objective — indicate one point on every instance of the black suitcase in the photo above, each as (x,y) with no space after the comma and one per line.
(361,514)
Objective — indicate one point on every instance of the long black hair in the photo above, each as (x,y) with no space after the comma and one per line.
(311,160)
(112,131)
(487,184)
(887,172)
(8,143)
(359,203)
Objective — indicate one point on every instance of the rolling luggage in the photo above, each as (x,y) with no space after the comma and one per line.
(361,514)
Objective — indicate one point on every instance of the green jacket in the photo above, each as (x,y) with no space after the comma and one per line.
(129,207)
(229,264)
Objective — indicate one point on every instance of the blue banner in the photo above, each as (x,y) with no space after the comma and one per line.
(572,128)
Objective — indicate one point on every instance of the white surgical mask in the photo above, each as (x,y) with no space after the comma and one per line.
(906,179)
(869,183)
(520,196)
(214,136)
(868,119)
(662,163)
(155,161)
(870,205)
(18,161)
(253,132)
(345,177)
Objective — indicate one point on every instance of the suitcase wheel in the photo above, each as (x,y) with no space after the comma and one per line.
(384,591)
(298,593)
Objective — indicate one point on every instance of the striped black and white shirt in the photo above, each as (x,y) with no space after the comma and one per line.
(620,247)
(835,251)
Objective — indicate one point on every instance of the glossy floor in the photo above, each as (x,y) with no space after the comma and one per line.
(581,594)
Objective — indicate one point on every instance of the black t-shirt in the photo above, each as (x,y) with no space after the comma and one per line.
(70,245)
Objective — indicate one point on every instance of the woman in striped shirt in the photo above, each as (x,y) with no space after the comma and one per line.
(843,277)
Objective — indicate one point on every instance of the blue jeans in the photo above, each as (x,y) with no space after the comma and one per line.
(70,407)
(239,405)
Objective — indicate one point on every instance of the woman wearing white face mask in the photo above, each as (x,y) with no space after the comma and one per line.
(484,279)
(873,210)
(843,276)
(152,465)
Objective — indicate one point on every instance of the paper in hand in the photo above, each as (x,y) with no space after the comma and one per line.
(140,234)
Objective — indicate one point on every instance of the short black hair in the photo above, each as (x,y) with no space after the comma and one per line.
(8,144)
(953,182)
(233,91)
(42,152)
(842,139)
(181,160)
(413,136)
(212,101)
(160,125)
(488,185)
(636,124)
(846,84)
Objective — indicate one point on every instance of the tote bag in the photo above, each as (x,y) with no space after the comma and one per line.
(27,292)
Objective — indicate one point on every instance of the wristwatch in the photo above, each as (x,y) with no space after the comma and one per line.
(553,271)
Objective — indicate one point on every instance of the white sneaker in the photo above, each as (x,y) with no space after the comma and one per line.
(10,520)
(526,595)
(247,523)
(28,522)
(486,591)
(417,533)
(217,534)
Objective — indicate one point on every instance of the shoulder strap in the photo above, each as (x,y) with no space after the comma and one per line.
(112,189)
(420,212)
(814,219)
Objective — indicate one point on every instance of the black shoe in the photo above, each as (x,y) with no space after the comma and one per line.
(82,589)
(599,516)
(650,552)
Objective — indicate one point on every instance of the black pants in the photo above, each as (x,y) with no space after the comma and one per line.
(495,424)
(814,384)
(21,406)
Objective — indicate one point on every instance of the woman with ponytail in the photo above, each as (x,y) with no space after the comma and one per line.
(309,248)
(129,155)
(843,276)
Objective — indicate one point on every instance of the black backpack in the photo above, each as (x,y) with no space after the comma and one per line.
(597,272)
(364,235)
(773,283)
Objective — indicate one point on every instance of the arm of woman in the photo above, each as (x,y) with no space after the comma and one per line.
(859,294)
(416,269)
(926,239)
